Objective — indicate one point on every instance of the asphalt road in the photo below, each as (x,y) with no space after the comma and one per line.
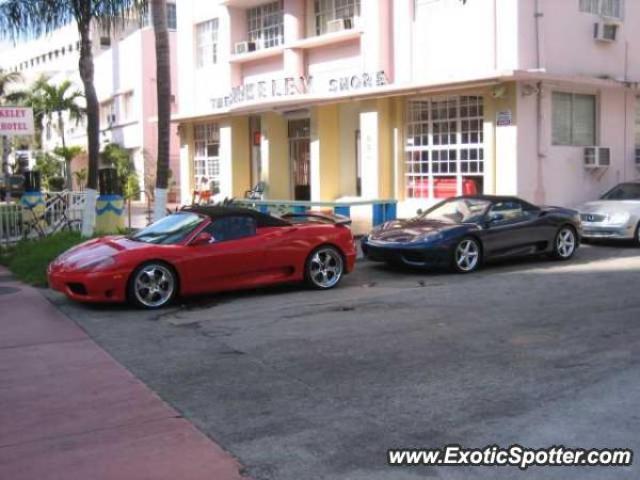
(300,384)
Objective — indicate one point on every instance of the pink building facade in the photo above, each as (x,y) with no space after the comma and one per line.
(411,100)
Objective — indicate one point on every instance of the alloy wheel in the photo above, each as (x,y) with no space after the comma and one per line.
(565,243)
(325,268)
(467,255)
(154,285)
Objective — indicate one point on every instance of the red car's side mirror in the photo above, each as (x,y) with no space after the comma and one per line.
(203,238)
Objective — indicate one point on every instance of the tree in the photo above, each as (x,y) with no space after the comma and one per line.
(33,17)
(81,178)
(119,158)
(49,167)
(68,154)
(58,100)
(6,80)
(32,97)
(163,92)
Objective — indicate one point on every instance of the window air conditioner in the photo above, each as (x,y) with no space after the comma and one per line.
(244,47)
(597,157)
(605,31)
(339,25)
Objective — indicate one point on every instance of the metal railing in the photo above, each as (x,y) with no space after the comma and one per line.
(62,210)
(11,223)
(381,210)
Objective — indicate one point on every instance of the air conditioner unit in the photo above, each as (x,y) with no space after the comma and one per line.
(111,119)
(339,25)
(605,31)
(597,157)
(244,47)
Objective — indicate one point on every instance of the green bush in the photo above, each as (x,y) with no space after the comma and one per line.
(28,259)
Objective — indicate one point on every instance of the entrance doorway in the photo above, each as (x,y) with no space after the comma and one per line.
(300,158)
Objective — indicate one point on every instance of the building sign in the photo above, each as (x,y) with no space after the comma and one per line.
(504,119)
(16,121)
(283,87)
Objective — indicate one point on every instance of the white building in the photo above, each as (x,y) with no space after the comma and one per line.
(124,78)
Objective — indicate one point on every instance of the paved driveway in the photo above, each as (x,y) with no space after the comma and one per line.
(304,385)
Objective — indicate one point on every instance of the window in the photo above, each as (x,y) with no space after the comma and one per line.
(574,119)
(172,18)
(207,43)
(444,147)
(232,228)
(509,212)
(207,157)
(127,106)
(327,10)
(107,114)
(606,8)
(169,230)
(265,24)
(624,191)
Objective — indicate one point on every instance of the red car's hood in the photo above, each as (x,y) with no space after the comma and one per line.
(95,249)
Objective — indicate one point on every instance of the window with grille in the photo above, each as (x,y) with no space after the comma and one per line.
(327,10)
(444,149)
(207,157)
(265,24)
(207,43)
(606,8)
(574,119)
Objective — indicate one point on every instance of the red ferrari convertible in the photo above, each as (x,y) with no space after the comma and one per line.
(206,249)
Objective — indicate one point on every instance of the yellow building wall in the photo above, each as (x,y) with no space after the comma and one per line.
(240,156)
(328,171)
(385,147)
(276,170)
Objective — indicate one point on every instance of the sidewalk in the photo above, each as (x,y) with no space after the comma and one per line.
(70,411)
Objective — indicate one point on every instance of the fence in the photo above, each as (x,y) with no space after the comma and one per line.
(62,209)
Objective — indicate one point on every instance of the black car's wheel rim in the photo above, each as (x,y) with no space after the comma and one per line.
(154,285)
(325,268)
(565,243)
(467,255)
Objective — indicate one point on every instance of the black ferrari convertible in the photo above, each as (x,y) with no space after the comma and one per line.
(464,232)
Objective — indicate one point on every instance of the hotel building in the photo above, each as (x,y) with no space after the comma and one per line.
(412,100)
(125,73)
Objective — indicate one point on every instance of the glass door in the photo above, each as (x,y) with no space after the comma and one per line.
(300,158)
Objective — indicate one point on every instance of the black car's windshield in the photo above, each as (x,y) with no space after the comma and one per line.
(624,191)
(169,230)
(458,210)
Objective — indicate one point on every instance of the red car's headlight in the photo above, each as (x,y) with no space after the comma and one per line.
(101,263)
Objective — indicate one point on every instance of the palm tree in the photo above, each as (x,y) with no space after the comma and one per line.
(58,100)
(34,17)
(6,80)
(163,92)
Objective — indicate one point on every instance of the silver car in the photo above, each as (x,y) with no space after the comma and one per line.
(615,216)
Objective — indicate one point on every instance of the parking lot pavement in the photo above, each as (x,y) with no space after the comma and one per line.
(303,384)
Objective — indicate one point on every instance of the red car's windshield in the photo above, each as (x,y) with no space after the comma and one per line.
(169,230)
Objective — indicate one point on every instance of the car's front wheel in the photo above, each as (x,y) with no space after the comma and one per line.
(153,285)
(467,255)
(565,243)
(324,268)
